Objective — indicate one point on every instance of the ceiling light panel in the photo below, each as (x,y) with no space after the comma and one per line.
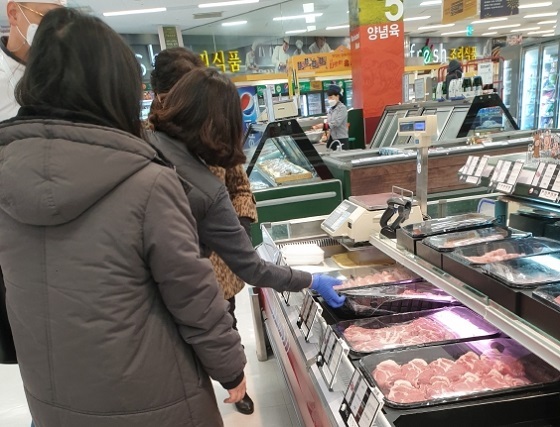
(520,30)
(233,23)
(431,27)
(287,18)
(500,27)
(430,3)
(487,21)
(135,12)
(337,27)
(540,15)
(531,5)
(296,31)
(227,3)
(308,7)
(491,33)
(416,18)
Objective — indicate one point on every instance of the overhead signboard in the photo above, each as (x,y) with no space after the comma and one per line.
(457,10)
(497,8)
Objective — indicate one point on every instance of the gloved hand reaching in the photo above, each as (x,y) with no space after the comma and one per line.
(324,285)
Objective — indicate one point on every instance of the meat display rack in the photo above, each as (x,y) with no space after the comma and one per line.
(315,404)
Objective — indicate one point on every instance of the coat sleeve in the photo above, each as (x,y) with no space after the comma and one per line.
(221,232)
(240,193)
(186,281)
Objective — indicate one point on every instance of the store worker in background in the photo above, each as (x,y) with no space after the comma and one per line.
(251,58)
(454,71)
(117,319)
(280,55)
(23,18)
(337,119)
(299,48)
(170,66)
(320,46)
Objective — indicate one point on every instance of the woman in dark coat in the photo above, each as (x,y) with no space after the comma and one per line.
(116,318)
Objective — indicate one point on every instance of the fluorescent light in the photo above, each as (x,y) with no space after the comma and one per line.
(233,23)
(308,7)
(296,31)
(430,3)
(431,27)
(525,29)
(286,18)
(485,21)
(505,26)
(135,12)
(540,32)
(310,19)
(528,6)
(416,18)
(338,27)
(540,15)
(454,32)
(490,33)
(311,27)
(546,22)
(227,3)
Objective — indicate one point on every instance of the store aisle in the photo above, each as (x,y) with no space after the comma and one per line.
(266,386)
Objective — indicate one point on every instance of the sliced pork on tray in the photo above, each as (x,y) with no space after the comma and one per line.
(364,277)
(422,328)
(455,372)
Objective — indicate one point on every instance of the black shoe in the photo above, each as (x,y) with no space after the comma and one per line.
(245,405)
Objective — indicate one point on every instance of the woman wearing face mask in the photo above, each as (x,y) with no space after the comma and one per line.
(337,119)
(23,17)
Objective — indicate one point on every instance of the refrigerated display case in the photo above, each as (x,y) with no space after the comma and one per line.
(312,104)
(549,87)
(288,177)
(510,77)
(529,93)
(533,402)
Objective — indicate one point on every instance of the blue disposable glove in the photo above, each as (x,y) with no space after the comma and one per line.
(323,284)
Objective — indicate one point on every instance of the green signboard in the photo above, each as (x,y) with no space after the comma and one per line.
(170,37)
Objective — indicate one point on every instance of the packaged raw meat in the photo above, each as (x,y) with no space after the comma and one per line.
(504,250)
(448,224)
(424,328)
(368,276)
(526,272)
(383,300)
(451,241)
(549,294)
(449,373)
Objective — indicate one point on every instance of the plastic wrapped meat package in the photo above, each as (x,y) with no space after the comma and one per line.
(457,372)
(448,224)
(369,276)
(549,294)
(505,250)
(451,241)
(430,327)
(384,300)
(526,272)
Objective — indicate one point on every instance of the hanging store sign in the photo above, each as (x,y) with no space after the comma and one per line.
(457,10)
(323,62)
(497,8)
(231,64)
(170,37)
(463,53)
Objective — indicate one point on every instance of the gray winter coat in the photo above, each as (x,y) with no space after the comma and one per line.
(218,225)
(116,318)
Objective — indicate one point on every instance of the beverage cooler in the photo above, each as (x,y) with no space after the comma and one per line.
(312,104)
(510,77)
(538,106)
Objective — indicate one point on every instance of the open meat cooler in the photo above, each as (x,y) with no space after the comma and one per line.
(412,345)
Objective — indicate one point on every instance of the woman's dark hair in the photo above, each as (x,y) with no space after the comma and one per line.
(203,111)
(78,63)
(171,65)
(335,90)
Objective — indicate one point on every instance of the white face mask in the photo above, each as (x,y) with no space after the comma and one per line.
(332,102)
(31,30)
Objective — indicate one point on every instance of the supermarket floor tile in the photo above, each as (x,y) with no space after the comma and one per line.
(265,384)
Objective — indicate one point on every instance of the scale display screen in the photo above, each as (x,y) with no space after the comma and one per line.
(416,126)
(419,126)
(339,216)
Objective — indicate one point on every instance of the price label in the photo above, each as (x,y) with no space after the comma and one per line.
(496,171)
(304,310)
(473,180)
(504,171)
(361,403)
(330,358)
(481,166)
(515,171)
(547,176)
(556,186)
(538,174)
(286,297)
(504,188)
(549,195)
(308,323)
(472,166)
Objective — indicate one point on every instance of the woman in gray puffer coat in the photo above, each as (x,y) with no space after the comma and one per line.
(117,320)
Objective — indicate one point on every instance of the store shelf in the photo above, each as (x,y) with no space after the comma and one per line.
(528,335)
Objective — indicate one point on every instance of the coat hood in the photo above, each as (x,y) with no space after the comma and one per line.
(52,171)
